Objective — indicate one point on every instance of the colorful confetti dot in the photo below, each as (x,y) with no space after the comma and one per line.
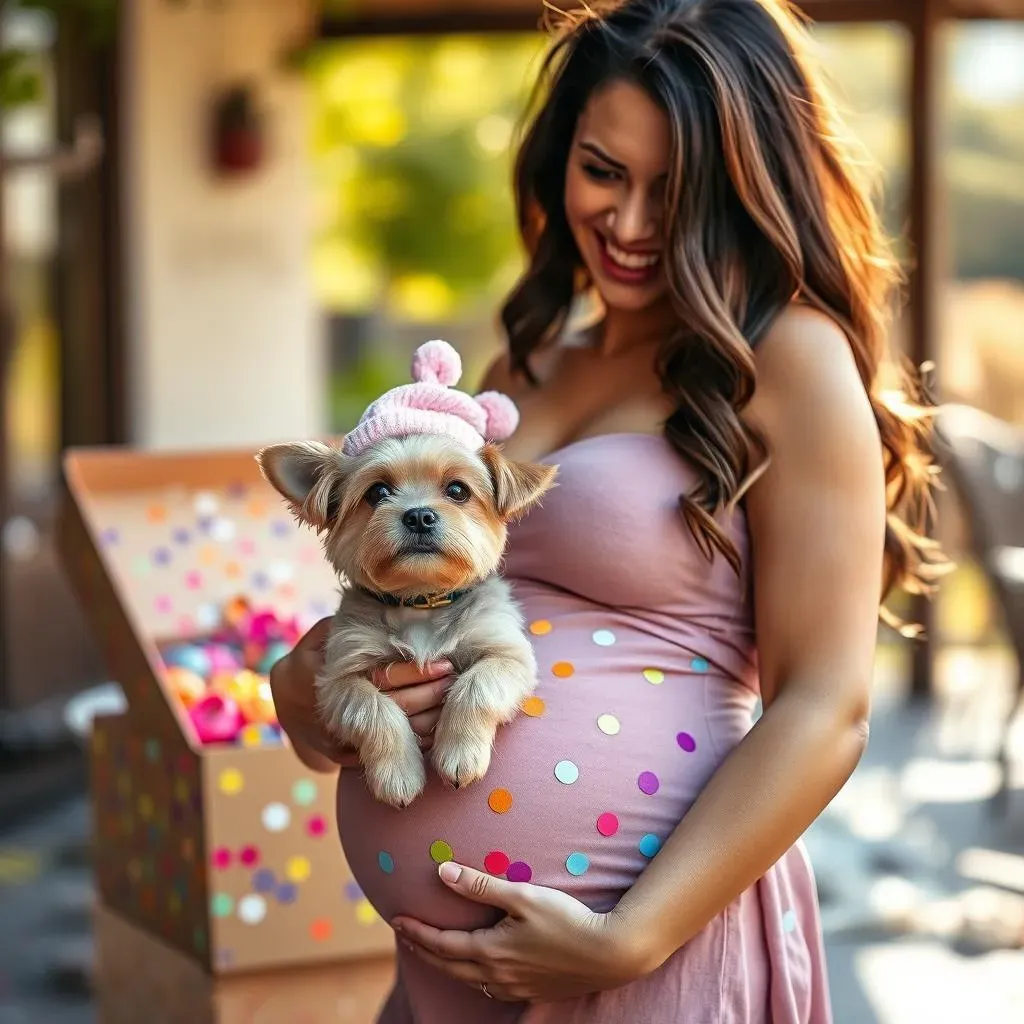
(566,772)
(252,909)
(654,676)
(648,783)
(152,750)
(257,509)
(316,826)
(249,856)
(534,707)
(321,929)
(287,892)
(650,844)
(519,871)
(221,905)
(181,535)
(603,638)
(208,555)
(156,513)
(162,556)
(110,537)
(563,669)
(607,824)
(221,858)
(298,869)
(205,503)
(686,742)
(193,580)
(304,792)
(386,862)
(577,864)
(163,605)
(500,801)
(496,862)
(440,851)
(540,628)
(789,921)
(263,880)
(276,817)
(230,781)
(609,725)
(699,665)
(365,913)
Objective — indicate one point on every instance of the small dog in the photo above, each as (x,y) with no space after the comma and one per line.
(414,511)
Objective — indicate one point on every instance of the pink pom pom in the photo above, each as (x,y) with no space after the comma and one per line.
(502,415)
(436,362)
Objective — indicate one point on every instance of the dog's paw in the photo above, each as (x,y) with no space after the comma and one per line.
(397,780)
(462,757)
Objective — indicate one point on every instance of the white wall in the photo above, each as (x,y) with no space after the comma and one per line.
(224,341)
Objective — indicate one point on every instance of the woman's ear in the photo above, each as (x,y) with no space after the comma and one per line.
(309,475)
(517,485)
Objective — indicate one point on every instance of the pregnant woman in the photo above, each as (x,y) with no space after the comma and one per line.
(632,855)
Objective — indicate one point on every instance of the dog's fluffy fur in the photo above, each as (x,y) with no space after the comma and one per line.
(358,504)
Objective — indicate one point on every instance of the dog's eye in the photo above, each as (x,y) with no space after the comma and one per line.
(457,491)
(376,494)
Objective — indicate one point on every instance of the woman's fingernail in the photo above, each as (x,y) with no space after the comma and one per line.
(449,872)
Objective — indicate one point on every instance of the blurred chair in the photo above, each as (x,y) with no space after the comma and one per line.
(984,458)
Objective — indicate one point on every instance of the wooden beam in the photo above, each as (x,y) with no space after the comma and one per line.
(927,246)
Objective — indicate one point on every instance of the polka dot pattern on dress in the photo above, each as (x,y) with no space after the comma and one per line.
(607,824)
(686,742)
(577,864)
(534,707)
(603,638)
(650,844)
(519,871)
(440,851)
(700,665)
(563,669)
(566,772)
(496,862)
(609,725)
(648,783)
(386,862)
(500,801)
(540,628)
(654,676)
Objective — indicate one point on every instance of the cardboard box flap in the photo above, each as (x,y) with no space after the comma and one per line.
(176,536)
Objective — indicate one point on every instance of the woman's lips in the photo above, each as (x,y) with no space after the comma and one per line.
(631,268)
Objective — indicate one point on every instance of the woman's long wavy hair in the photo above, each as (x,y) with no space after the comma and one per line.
(767,203)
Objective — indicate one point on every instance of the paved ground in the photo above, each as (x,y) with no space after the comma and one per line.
(922,887)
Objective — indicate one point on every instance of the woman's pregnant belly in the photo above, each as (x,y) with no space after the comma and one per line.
(622,734)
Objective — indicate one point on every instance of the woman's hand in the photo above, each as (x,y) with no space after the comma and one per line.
(548,947)
(292,683)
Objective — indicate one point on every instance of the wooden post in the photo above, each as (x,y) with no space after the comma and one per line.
(926,244)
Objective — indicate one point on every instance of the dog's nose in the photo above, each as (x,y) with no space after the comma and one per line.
(419,520)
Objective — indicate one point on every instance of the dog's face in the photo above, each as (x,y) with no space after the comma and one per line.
(411,516)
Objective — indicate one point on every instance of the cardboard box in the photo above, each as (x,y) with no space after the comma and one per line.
(228,854)
(140,980)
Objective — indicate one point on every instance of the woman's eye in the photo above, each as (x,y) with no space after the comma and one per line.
(457,491)
(600,173)
(376,494)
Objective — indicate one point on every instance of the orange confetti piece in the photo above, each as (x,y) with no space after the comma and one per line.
(500,801)
(534,707)
(563,669)
(540,628)
(321,929)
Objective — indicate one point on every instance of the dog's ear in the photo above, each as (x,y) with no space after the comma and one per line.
(517,485)
(309,474)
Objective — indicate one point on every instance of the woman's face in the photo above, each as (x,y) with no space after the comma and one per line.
(615,193)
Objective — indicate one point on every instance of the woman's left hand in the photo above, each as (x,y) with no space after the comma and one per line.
(548,947)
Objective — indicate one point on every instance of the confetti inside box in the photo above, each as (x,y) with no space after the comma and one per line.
(227,853)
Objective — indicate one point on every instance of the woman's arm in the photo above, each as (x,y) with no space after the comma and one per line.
(817,522)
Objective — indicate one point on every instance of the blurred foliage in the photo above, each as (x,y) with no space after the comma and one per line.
(411,139)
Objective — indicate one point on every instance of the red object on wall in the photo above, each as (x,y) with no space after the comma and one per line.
(238,138)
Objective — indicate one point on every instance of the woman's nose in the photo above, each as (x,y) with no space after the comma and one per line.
(634,220)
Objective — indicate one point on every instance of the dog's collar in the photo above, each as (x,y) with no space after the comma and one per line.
(421,602)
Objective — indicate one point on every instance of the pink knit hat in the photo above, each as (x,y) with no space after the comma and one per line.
(431,406)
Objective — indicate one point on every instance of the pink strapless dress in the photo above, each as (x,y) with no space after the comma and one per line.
(647,680)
